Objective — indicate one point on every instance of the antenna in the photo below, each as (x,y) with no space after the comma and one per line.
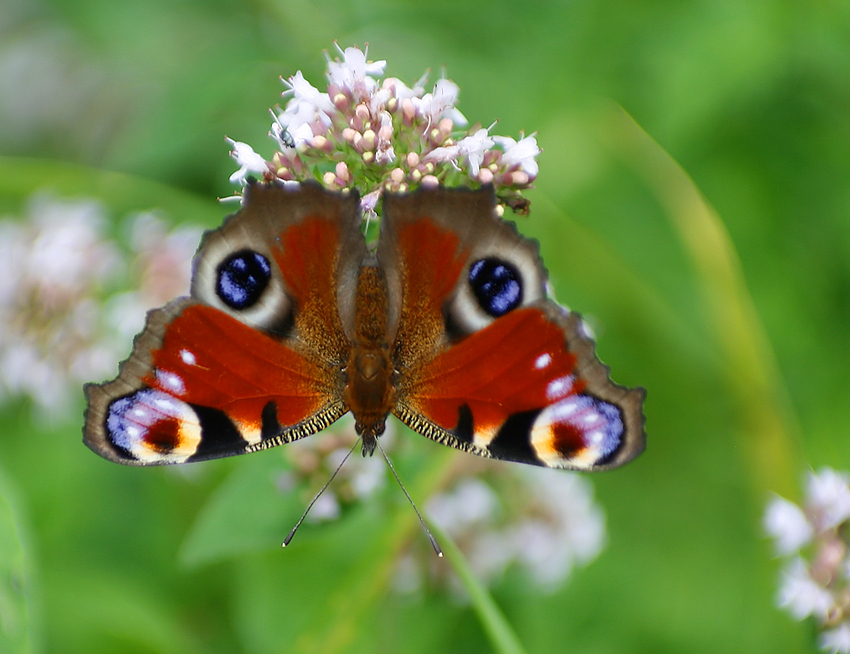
(433,541)
(287,540)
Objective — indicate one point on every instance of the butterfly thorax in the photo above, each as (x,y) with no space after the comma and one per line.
(368,391)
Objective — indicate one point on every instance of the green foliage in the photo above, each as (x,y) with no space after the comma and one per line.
(16,601)
(700,224)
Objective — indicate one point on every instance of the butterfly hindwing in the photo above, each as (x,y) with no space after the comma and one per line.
(505,372)
(253,358)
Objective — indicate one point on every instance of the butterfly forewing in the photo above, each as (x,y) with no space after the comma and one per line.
(254,358)
(509,373)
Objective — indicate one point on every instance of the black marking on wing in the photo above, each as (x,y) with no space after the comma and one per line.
(465,428)
(218,434)
(271,427)
(513,441)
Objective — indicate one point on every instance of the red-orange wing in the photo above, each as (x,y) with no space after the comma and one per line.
(487,363)
(253,358)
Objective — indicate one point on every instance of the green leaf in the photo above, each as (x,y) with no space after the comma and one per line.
(20,177)
(246,513)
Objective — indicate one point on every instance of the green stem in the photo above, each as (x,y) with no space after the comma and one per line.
(339,622)
(495,624)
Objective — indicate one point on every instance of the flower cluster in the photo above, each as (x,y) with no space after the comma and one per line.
(65,319)
(542,522)
(376,135)
(814,539)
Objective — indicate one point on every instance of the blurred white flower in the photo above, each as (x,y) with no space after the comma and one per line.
(325,508)
(314,460)
(829,498)
(801,595)
(787,524)
(836,640)
(53,266)
(544,522)
(161,270)
(472,502)
(816,582)
(521,154)
(66,319)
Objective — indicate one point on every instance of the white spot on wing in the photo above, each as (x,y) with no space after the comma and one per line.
(559,387)
(171,382)
(187,357)
(168,407)
(542,361)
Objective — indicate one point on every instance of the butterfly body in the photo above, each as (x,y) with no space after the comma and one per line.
(369,391)
(293,321)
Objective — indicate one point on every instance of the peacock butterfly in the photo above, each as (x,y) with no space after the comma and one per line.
(293,321)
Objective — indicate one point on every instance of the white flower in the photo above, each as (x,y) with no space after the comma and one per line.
(354,72)
(307,95)
(801,595)
(522,153)
(248,161)
(401,91)
(384,151)
(787,524)
(467,514)
(474,147)
(445,154)
(489,554)
(52,268)
(829,497)
(378,101)
(573,533)
(837,640)
(541,551)
(440,103)
(445,96)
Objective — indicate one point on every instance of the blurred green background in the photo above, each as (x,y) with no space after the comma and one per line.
(735,322)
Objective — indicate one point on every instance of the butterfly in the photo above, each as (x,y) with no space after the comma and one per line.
(293,321)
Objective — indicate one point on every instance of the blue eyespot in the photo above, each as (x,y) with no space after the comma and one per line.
(242,278)
(497,286)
